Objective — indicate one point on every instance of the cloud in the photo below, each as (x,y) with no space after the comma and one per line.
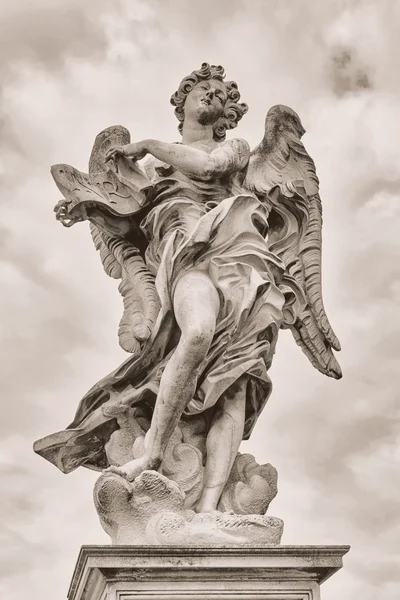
(47,32)
(348,74)
(70,70)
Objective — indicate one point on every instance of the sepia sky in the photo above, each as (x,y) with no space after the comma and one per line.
(70,69)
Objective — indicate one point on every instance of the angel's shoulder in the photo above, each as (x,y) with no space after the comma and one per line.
(238,143)
(240,148)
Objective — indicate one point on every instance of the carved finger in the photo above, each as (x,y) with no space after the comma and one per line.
(111,154)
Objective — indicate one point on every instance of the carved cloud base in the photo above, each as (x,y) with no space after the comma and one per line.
(179,573)
(151,510)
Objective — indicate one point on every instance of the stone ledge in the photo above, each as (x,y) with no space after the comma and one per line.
(178,573)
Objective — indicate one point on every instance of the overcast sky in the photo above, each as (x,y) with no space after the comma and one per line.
(70,69)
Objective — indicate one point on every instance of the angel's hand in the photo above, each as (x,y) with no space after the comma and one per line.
(136,151)
(62,215)
(115,152)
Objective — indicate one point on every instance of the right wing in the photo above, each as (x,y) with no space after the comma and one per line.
(283,175)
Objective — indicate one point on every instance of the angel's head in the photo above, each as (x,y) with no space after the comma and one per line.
(281,118)
(206,97)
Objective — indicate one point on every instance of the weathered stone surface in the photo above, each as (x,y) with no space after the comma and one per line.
(176,573)
(217,248)
(250,487)
(151,510)
(157,508)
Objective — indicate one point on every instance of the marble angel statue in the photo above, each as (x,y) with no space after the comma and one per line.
(217,247)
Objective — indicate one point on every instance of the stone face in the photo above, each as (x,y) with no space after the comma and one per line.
(174,573)
(151,510)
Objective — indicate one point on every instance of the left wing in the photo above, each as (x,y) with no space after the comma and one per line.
(111,199)
(282,174)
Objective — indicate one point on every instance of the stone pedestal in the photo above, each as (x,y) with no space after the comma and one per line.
(218,573)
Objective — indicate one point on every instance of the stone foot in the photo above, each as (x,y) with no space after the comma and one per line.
(134,468)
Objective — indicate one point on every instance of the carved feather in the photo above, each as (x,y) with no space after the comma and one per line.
(283,175)
(311,257)
(110,264)
(137,287)
(122,260)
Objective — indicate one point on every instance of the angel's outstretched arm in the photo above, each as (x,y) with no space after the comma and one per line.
(226,158)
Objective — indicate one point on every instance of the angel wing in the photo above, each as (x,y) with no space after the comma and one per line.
(282,174)
(110,203)
(122,260)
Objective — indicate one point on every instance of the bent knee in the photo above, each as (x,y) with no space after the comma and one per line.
(195,342)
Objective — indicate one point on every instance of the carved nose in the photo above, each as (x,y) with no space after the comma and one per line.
(210,94)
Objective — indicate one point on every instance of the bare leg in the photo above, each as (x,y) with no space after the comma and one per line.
(223,443)
(196,306)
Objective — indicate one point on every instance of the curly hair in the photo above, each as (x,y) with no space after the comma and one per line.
(233,110)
